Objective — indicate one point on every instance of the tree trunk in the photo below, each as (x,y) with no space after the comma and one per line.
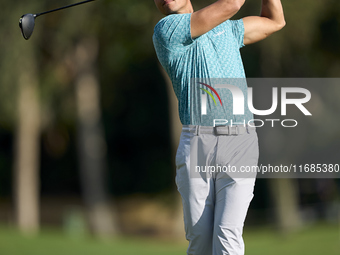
(285,191)
(285,196)
(91,141)
(26,154)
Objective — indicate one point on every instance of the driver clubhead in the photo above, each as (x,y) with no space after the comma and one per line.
(26,24)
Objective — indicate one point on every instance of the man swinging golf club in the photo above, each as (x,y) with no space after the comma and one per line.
(205,44)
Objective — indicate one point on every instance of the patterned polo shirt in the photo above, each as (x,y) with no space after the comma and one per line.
(198,66)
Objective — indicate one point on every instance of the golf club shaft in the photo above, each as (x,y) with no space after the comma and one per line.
(61,8)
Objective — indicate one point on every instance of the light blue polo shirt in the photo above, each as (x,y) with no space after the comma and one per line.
(211,58)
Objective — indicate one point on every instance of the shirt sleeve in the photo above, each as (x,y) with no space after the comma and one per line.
(238,31)
(173,32)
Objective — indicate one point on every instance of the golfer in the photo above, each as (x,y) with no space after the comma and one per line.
(205,45)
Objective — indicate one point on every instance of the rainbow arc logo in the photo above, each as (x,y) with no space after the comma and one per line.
(209,93)
(204,97)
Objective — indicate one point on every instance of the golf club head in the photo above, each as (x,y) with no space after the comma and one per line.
(26,24)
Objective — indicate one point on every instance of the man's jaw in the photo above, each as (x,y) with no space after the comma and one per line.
(169,7)
(166,2)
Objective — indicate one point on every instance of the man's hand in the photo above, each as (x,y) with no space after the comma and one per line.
(211,16)
(270,21)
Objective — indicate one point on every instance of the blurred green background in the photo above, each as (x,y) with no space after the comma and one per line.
(89,130)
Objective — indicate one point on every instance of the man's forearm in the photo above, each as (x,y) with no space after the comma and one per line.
(272,9)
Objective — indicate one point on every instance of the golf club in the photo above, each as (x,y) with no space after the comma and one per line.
(27,21)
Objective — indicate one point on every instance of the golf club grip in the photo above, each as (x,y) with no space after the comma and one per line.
(61,8)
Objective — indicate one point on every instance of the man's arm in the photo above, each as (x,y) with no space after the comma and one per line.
(270,21)
(211,16)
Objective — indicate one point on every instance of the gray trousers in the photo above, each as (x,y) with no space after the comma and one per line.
(215,203)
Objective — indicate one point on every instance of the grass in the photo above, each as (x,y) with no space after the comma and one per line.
(316,240)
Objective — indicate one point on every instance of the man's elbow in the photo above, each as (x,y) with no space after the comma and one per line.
(233,6)
(274,27)
(280,24)
(238,4)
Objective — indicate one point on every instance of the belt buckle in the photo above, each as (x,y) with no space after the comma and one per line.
(227,130)
(222,130)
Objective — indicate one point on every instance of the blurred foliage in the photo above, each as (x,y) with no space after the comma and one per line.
(133,92)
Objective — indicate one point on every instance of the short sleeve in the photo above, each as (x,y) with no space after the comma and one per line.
(238,31)
(173,31)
